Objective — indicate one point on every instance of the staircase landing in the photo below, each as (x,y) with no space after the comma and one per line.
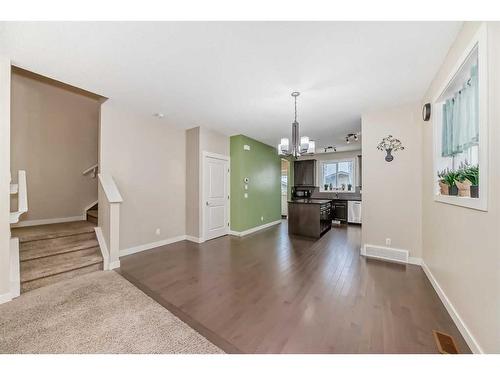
(54,252)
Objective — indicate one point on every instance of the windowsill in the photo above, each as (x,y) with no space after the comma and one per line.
(467,202)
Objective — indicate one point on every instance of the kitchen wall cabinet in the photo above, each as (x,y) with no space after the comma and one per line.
(304,172)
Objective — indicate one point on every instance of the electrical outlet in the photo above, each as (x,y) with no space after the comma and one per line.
(388,242)
(158,231)
(246,195)
(262,218)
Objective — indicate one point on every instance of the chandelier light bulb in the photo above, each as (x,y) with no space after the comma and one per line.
(304,143)
(312,147)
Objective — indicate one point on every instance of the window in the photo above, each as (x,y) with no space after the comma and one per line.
(460,131)
(336,175)
(284,184)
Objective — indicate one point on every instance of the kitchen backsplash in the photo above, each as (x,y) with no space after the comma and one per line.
(336,195)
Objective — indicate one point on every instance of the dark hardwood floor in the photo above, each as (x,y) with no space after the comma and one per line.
(271,293)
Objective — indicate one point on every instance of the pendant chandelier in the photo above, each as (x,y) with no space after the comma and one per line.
(300,145)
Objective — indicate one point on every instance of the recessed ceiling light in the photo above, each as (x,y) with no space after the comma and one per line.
(159,115)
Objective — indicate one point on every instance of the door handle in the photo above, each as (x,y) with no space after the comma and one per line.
(208,204)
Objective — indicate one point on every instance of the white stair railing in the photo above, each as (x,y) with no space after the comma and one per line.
(93,170)
(22,196)
(108,231)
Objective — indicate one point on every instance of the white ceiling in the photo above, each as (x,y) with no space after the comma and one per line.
(236,77)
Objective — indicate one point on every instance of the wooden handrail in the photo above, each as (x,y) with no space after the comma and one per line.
(94,169)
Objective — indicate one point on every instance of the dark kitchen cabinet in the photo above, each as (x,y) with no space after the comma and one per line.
(309,217)
(304,172)
(339,209)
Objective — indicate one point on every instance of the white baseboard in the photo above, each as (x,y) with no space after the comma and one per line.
(462,327)
(254,229)
(194,239)
(103,246)
(6,297)
(113,265)
(29,223)
(151,245)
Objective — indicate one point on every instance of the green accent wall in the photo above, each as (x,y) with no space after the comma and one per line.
(262,166)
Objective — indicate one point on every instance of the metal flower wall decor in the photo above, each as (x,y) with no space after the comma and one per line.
(390,144)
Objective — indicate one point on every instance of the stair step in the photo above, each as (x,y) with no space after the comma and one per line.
(38,283)
(47,231)
(49,266)
(53,246)
(92,213)
(92,216)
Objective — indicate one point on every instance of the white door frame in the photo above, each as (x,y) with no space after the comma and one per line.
(202,197)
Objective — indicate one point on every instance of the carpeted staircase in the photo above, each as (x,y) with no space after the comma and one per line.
(54,252)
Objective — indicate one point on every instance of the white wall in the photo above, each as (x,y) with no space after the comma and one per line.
(461,247)
(4,179)
(392,191)
(146,157)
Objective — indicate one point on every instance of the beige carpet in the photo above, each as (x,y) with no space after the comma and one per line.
(100,312)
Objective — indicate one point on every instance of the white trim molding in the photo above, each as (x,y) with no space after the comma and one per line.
(151,245)
(462,327)
(15,272)
(104,248)
(6,297)
(194,239)
(254,229)
(479,41)
(29,223)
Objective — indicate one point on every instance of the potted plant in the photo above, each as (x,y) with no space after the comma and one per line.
(447,178)
(469,174)
(462,182)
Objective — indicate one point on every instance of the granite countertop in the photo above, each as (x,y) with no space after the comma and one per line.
(310,201)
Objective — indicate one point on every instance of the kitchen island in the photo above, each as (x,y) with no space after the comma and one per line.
(309,217)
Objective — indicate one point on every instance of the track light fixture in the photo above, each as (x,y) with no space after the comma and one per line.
(354,136)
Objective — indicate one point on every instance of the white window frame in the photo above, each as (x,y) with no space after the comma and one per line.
(320,174)
(481,203)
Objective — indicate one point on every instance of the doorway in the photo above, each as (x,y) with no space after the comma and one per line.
(215,200)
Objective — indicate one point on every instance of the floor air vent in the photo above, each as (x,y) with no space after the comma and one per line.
(445,343)
(386,253)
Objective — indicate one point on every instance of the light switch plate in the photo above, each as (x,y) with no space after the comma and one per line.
(246,147)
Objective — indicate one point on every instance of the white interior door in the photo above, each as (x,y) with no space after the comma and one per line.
(215,197)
